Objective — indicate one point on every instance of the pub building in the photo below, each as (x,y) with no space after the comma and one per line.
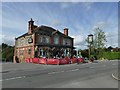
(43,41)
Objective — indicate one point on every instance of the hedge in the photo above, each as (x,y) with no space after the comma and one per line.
(109,55)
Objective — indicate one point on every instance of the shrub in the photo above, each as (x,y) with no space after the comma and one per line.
(109,55)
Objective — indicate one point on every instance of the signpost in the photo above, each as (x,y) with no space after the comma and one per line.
(90,41)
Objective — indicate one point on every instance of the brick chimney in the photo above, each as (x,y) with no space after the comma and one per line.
(66,31)
(30,26)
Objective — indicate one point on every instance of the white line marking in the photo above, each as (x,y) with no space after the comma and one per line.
(115,77)
(53,72)
(91,67)
(13,78)
(75,70)
(64,71)
(72,70)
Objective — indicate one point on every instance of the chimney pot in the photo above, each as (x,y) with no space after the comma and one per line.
(30,26)
(66,31)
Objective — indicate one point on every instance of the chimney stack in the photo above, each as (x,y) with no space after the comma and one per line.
(30,26)
(66,31)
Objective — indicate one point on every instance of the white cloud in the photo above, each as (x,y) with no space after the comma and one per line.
(112,39)
(64,5)
(8,39)
(1,37)
(87,5)
(56,23)
(79,41)
(14,24)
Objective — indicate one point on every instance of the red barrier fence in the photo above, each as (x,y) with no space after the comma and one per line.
(35,60)
(42,61)
(73,60)
(80,60)
(53,61)
(64,61)
(27,60)
(31,60)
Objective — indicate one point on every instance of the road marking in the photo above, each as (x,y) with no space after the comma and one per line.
(72,70)
(64,71)
(13,78)
(91,67)
(53,72)
(115,77)
(75,70)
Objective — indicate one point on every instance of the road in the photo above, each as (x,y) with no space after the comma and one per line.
(87,75)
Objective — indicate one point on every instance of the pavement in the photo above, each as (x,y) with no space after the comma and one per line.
(86,75)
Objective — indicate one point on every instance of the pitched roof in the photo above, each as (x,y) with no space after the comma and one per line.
(50,31)
(26,34)
(46,29)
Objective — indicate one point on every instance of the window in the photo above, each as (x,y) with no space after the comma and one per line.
(29,51)
(18,42)
(26,41)
(66,42)
(47,39)
(56,40)
(40,39)
(21,52)
(43,39)
(30,40)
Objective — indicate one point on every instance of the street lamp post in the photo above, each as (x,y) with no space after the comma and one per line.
(90,41)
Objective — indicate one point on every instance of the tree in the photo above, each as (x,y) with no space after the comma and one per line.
(7,52)
(99,39)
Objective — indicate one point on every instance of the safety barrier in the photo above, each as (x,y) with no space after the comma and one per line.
(64,61)
(35,60)
(53,61)
(27,60)
(80,60)
(73,60)
(31,60)
(43,61)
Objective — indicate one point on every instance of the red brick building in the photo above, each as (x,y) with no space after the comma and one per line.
(42,41)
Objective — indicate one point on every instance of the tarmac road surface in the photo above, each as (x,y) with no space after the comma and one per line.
(86,75)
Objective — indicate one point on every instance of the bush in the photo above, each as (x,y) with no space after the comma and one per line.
(7,52)
(109,55)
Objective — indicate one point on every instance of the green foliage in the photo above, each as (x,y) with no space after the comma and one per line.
(100,38)
(109,55)
(84,53)
(7,52)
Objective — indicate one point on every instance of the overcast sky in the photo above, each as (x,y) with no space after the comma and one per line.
(81,18)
